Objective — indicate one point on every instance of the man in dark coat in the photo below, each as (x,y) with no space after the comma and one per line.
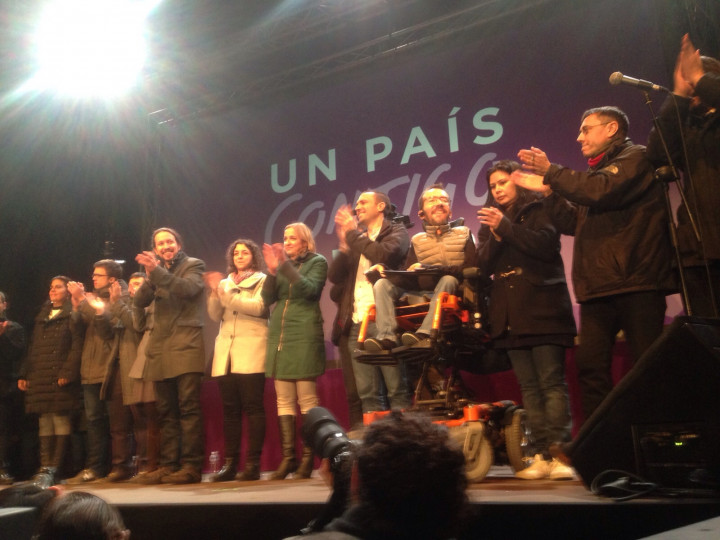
(622,254)
(175,355)
(12,344)
(694,146)
(364,243)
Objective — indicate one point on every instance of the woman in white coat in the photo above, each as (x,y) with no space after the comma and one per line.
(239,359)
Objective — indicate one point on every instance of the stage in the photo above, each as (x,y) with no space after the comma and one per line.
(500,507)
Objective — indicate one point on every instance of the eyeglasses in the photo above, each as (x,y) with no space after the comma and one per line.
(436,199)
(99,275)
(586,129)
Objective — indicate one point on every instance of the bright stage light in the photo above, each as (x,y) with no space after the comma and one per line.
(91,47)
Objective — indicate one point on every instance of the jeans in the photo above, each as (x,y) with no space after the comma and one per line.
(386,294)
(641,315)
(121,422)
(540,370)
(368,380)
(181,429)
(98,429)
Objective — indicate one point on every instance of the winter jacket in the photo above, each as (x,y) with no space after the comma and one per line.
(620,224)
(100,349)
(389,249)
(529,294)
(175,345)
(242,341)
(54,353)
(296,344)
(128,341)
(701,132)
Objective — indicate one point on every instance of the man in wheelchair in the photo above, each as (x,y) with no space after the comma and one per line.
(434,265)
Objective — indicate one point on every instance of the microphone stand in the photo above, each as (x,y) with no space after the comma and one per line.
(667,175)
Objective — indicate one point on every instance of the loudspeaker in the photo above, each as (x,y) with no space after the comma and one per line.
(662,420)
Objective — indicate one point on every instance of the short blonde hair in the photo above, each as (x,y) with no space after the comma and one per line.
(304,233)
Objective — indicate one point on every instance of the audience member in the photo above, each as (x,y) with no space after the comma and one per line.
(81,516)
(408,482)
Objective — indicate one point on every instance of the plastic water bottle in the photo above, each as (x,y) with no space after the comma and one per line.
(214,461)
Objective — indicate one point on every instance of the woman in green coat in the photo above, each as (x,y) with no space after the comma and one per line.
(296,345)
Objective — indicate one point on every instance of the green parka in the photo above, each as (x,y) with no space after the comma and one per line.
(296,344)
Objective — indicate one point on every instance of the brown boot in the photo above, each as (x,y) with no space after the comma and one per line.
(287,443)
(308,460)
(306,464)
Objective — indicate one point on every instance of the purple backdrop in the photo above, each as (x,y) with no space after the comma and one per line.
(415,120)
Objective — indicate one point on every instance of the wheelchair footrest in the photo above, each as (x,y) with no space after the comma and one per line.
(396,355)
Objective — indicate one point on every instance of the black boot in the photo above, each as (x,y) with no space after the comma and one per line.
(308,461)
(45,476)
(256,439)
(5,477)
(228,471)
(287,443)
(59,450)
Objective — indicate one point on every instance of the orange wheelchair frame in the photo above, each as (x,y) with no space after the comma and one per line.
(488,432)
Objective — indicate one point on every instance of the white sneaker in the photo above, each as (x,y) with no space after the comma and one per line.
(538,470)
(560,471)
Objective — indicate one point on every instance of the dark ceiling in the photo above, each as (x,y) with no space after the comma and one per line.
(211,55)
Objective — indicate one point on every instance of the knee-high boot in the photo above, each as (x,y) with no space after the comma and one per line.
(45,476)
(287,443)
(256,439)
(308,460)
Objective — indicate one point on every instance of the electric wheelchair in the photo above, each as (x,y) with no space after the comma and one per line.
(489,433)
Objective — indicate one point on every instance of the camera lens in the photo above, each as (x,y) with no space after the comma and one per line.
(323,434)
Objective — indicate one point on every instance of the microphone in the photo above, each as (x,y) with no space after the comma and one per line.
(618,78)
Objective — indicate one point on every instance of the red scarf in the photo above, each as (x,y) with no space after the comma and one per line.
(593,161)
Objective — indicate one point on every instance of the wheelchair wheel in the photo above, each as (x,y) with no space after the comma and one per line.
(477,449)
(518,440)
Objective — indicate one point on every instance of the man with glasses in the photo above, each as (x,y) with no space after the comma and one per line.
(100,351)
(622,253)
(438,255)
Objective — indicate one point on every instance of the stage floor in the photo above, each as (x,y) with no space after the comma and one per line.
(500,486)
(501,506)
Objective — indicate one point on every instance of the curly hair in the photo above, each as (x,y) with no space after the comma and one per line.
(412,475)
(257,257)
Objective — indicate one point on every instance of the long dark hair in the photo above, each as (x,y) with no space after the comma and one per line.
(524,196)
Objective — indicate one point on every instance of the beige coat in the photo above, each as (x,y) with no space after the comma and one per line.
(242,339)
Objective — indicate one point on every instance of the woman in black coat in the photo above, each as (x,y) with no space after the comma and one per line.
(530,313)
(50,375)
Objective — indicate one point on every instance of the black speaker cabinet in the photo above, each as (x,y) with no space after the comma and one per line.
(662,420)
